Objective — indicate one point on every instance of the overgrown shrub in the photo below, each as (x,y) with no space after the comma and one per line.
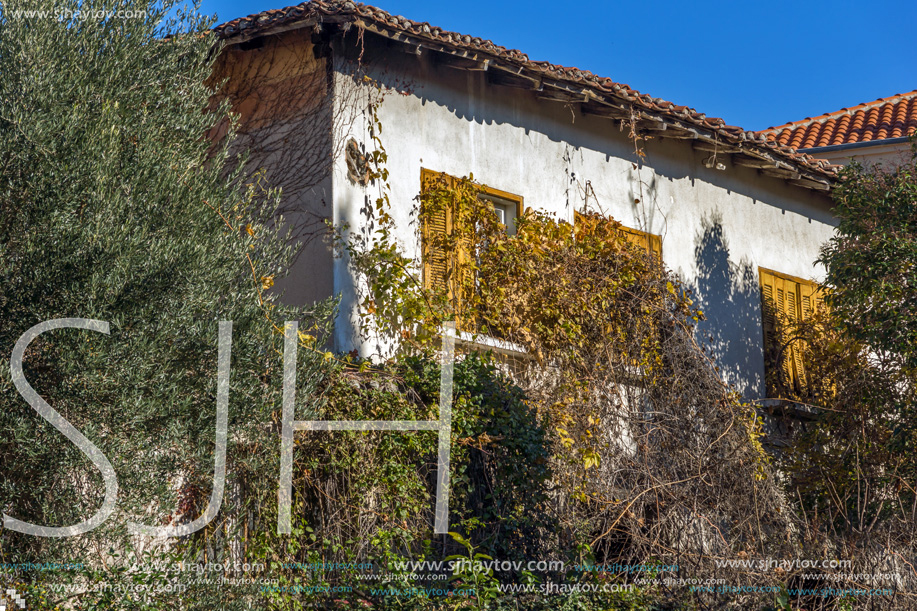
(652,456)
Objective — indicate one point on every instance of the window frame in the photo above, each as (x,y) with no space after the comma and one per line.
(508,197)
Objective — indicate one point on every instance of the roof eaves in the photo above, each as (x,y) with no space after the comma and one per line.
(596,95)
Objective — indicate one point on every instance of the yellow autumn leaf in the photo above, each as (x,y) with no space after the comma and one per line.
(329,356)
(249,230)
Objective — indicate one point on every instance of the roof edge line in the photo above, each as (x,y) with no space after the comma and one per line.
(855,145)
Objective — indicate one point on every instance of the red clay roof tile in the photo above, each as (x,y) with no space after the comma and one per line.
(883,119)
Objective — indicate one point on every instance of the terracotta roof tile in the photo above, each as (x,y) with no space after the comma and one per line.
(604,88)
(883,119)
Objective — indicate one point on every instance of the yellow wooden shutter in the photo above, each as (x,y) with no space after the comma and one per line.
(776,300)
(820,304)
(793,352)
(435,227)
(646,241)
(768,310)
(812,301)
(797,300)
(462,275)
(441,269)
(637,238)
(655,245)
(807,300)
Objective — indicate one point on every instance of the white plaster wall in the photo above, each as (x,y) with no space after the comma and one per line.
(717,227)
(886,155)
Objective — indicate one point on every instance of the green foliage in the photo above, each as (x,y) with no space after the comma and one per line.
(864,363)
(858,441)
(116,207)
(367,497)
(872,259)
(470,572)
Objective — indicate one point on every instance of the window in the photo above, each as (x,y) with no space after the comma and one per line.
(785,300)
(506,206)
(439,267)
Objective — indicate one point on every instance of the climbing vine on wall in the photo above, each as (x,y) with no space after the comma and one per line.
(649,448)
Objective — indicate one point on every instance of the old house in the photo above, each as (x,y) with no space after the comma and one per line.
(873,132)
(737,214)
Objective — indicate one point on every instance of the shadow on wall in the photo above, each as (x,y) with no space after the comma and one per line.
(728,294)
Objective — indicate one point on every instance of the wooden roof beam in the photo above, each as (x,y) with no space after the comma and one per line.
(707,146)
(775,173)
(752,162)
(554,95)
(810,184)
(677,133)
(498,77)
(605,111)
(462,63)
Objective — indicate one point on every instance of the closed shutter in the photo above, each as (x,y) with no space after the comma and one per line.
(769,309)
(798,301)
(778,300)
(655,245)
(441,268)
(637,238)
(436,227)
(820,304)
(793,350)
(813,300)
(643,240)
(463,275)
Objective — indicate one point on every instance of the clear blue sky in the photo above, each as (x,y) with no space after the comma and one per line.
(755,63)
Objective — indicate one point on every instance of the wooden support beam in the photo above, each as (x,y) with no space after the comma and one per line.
(411,49)
(652,126)
(782,165)
(462,63)
(652,129)
(752,162)
(555,95)
(775,173)
(811,184)
(497,77)
(677,133)
(605,111)
(719,147)
(667,131)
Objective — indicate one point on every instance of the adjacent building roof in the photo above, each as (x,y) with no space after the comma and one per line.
(884,119)
(594,94)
